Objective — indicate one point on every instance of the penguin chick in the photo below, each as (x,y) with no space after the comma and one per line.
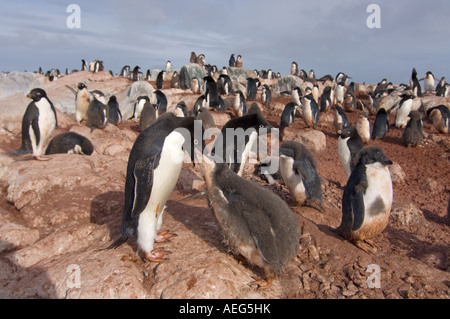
(254,221)
(363,127)
(149,115)
(367,199)
(97,115)
(114,114)
(349,144)
(381,124)
(298,169)
(413,132)
(70,143)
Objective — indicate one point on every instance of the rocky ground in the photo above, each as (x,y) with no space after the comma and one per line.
(57,216)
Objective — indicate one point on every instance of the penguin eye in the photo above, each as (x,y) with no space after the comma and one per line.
(261,126)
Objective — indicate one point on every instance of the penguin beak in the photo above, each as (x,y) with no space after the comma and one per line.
(29,95)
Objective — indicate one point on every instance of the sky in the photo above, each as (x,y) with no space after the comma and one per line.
(328,36)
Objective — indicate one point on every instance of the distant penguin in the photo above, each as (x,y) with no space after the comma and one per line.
(403,110)
(440,115)
(205,116)
(339,93)
(175,81)
(287,116)
(70,143)
(255,223)
(367,199)
(195,86)
(442,89)
(381,88)
(161,101)
(310,111)
(235,152)
(114,114)
(373,106)
(238,63)
(363,127)
(315,93)
(225,85)
(349,103)
(135,73)
(125,71)
(148,75)
(325,99)
(193,58)
(349,144)
(413,133)
(211,93)
(340,119)
(38,123)
(168,66)
(232,61)
(296,95)
(83,65)
(198,104)
(311,77)
(298,168)
(239,105)
(341,78)
(381,124)
(201,59)
(266,95)
(414,83)
(149,115)
(181,109)
(252,88)
(294,68)
(82,101)
(97,115)
(429,82)
(153,169)
(254,108)
(160,80)
(139,106)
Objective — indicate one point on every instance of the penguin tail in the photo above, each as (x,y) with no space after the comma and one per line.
(116,244)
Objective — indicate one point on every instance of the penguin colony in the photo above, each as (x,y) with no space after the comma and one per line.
(255,222)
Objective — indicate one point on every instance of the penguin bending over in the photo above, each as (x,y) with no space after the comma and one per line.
(82,101)
(413,133)
(349,144)
(70,143)
(255,222)
(298,168)
(381,124)
(440,115)
(153,170)
(367,199)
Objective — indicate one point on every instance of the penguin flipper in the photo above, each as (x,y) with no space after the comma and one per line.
(357,206)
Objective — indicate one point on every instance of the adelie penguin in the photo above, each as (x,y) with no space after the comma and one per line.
(211,93)
(298,168)
(239,105)
(440,115)
(82,101)
(139,106)
(429,82)
(161,101)
(153,170)
(114,114)
(266,95)
(363,127)
(97,114)
(310,111)
(403,110)
(367,199)
(38,124)
(325,99)
(442,88)
(340,119)
(175,81)
(225,85)
(70,143)
(255,222)
(413,133)
(349,144)
(252,88)
(381,124)
(287,117)
(414,83)
(160,80)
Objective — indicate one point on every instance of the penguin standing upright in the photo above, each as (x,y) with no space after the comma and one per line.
(349,144)
(175,81)
(239,105)
(325,99)
(255,222)
(266,95)
(114,114)
(414,83)
(429,82)
(373,105)
(296,95)
(161,101)
(160,80)
(339,93)
(225,85)
(135,73)
(340,119)
(381,124)
(310,111)
(287,116)
(97,115)
(193,58)
(363,127)
(442,89)
(38,123)
(252,88)
(440,115)
(381,88)
(168,66)
(82,101)
(298,168)
(413,133)
(153,170)
(211,93)
(403,110)
(149,115)
(70,143)
(139,106)
(294,68)
(238,63)
(349,102)
(205,116)
(181,109)
(232,61)
(367,199)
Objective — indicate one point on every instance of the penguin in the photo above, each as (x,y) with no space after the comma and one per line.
(148,75)
(414,83)
(254,108)
(153,169)
(83,65)
(315,93)
(98,66)
(161,101)
(252,88)
(381,124)
(442,88)
(201,60)
(266,95)
(160,80)
(193,58)
(38,123)
(429,82)
(339,93)
(311,77)
(232,61)
(114,114)
(294,68)
(440,115)
(198,104)
(255,222)
(238,63)
(135,73)
(225,85)
(236,150)
(340,119)
(349,144)
(125,71)
(349,103)
(296,95)
(403,110)
(367,199)
(70,143)
(363,127)
(413,133)
(265,173)
(139,106)
(175,81)
(325,99)
(239,105)
(381,88)
(149,115)
(181,109)
(298,169)
(287,117)
(205,116)
(310,111)
(168,66)
(373,105)
(97,114)
(211,93)
(82,101)
(195,86)
(341,78)
(325,78)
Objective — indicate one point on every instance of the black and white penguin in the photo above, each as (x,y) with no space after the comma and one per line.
(266,95)
(238,63)
(381,124)
(403,110)
(98,66)
(414,83)
(252,88)
(153,170)
(367,199)
(211,93)
(175,81)
(303,75)
(225,85)
(135,73)
(193,58)
(298,168)
(139,106)
(97,114)
(168,66)
(181,109)
(161,101)
(148,75)
(255,222)
(294,68)
(325,99)
(440,115)
(199,103)
(232,61)
(296,95)
(373,106)
(341,77)
(160,80)
(239,105)
(340,119)
(310,111)
(38,123)
(428,85)
(349,103)
(114,114)
(349,144)
(381,88)
(84,65)
(82,101)
(243,132)
(339,93)
(413,133)
(125,72)
(363,127)
(287,116)
(149,115)
(442,89)
(70,143)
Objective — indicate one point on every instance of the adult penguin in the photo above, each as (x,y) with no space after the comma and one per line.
(381,124)
(70,143)
(114,114)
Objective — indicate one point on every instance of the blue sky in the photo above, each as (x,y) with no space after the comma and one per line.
(324,35)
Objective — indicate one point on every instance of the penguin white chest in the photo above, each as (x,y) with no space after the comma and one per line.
(292,180)
(402,114)
(344,154)
(249,148)
(82,105)
(339,94)
(47,124)
(429,84)
(139,108)
(363,128)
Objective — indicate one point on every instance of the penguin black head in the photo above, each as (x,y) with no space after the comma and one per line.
(349,131)
(36,94)
(370,155)
(81,86)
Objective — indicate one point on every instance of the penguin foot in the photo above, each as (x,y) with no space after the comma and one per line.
(262,284)
(42,158)
(157,255)
(164,236)
(367,245)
